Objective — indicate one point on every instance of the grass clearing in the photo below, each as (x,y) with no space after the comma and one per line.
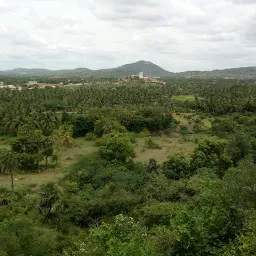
(184,97)
(67,157)
(181,119)
(81,147)
(169,146)
(31,179)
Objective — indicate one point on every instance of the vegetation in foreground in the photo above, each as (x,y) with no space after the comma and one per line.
(130,170)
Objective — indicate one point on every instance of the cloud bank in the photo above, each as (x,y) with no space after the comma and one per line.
(177,35)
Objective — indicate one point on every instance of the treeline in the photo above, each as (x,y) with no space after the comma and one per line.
(23,80)
(222,100)
(39,137)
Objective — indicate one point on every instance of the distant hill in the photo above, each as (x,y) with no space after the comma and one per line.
(148,68)
(232,73)
(19,72)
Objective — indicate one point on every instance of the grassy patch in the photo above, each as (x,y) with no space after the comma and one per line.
(184,97)
(31,179)
(81,147)
(168,146)
(207,123)
(67,157)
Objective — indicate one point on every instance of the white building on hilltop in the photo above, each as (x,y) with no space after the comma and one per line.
(140,74)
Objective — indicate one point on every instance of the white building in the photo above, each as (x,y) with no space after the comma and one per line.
(140,74)
(32,82)
(9,86)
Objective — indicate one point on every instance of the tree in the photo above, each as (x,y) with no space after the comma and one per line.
(82,125)
(124,237)
(177,166)
(63,135)
(20,235)
(240,146)
(116,146)
(210,153)
(8,163)
(50,199)
(105,126)
(48,121)
(32,148)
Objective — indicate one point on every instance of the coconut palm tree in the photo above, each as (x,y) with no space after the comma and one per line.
(8,163)
(50,199)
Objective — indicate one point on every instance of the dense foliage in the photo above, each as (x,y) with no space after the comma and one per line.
(107,203)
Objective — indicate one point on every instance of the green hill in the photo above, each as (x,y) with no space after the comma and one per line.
(233,73)
(148,68)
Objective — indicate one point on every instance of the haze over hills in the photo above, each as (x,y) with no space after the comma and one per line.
(148,68)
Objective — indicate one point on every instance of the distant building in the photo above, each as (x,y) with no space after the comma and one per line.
(141,75)
(32,82)
(10,86)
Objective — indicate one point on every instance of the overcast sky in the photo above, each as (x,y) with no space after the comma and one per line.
(177,35)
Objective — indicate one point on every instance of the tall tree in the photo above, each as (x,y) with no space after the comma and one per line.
(8,163)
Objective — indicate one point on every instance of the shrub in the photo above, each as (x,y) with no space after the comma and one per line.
(144,133)
(90,136)
(184,129)
(177,166)
(150,143)
(210,153)
(83,125)
(116,146)
(105,126)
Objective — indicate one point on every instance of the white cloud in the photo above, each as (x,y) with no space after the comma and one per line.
(177,35)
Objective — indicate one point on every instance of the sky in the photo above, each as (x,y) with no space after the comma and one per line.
(176,35)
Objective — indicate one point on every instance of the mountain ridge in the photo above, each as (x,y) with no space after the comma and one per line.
(148,68)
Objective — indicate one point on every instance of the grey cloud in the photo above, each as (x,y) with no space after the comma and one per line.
(250,31)
(130,13)
(244,1)
(178,35)
(7,8)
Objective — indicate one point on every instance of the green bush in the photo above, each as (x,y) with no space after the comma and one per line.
(116,146)
(105,126)
(184,129)
(151,144)
(83,125)
(177,166)
(90,136)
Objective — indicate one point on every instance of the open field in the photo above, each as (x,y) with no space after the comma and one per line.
(185,121)
(184,97)
(66,158)
(31,179)
(168,146)
(81,147)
